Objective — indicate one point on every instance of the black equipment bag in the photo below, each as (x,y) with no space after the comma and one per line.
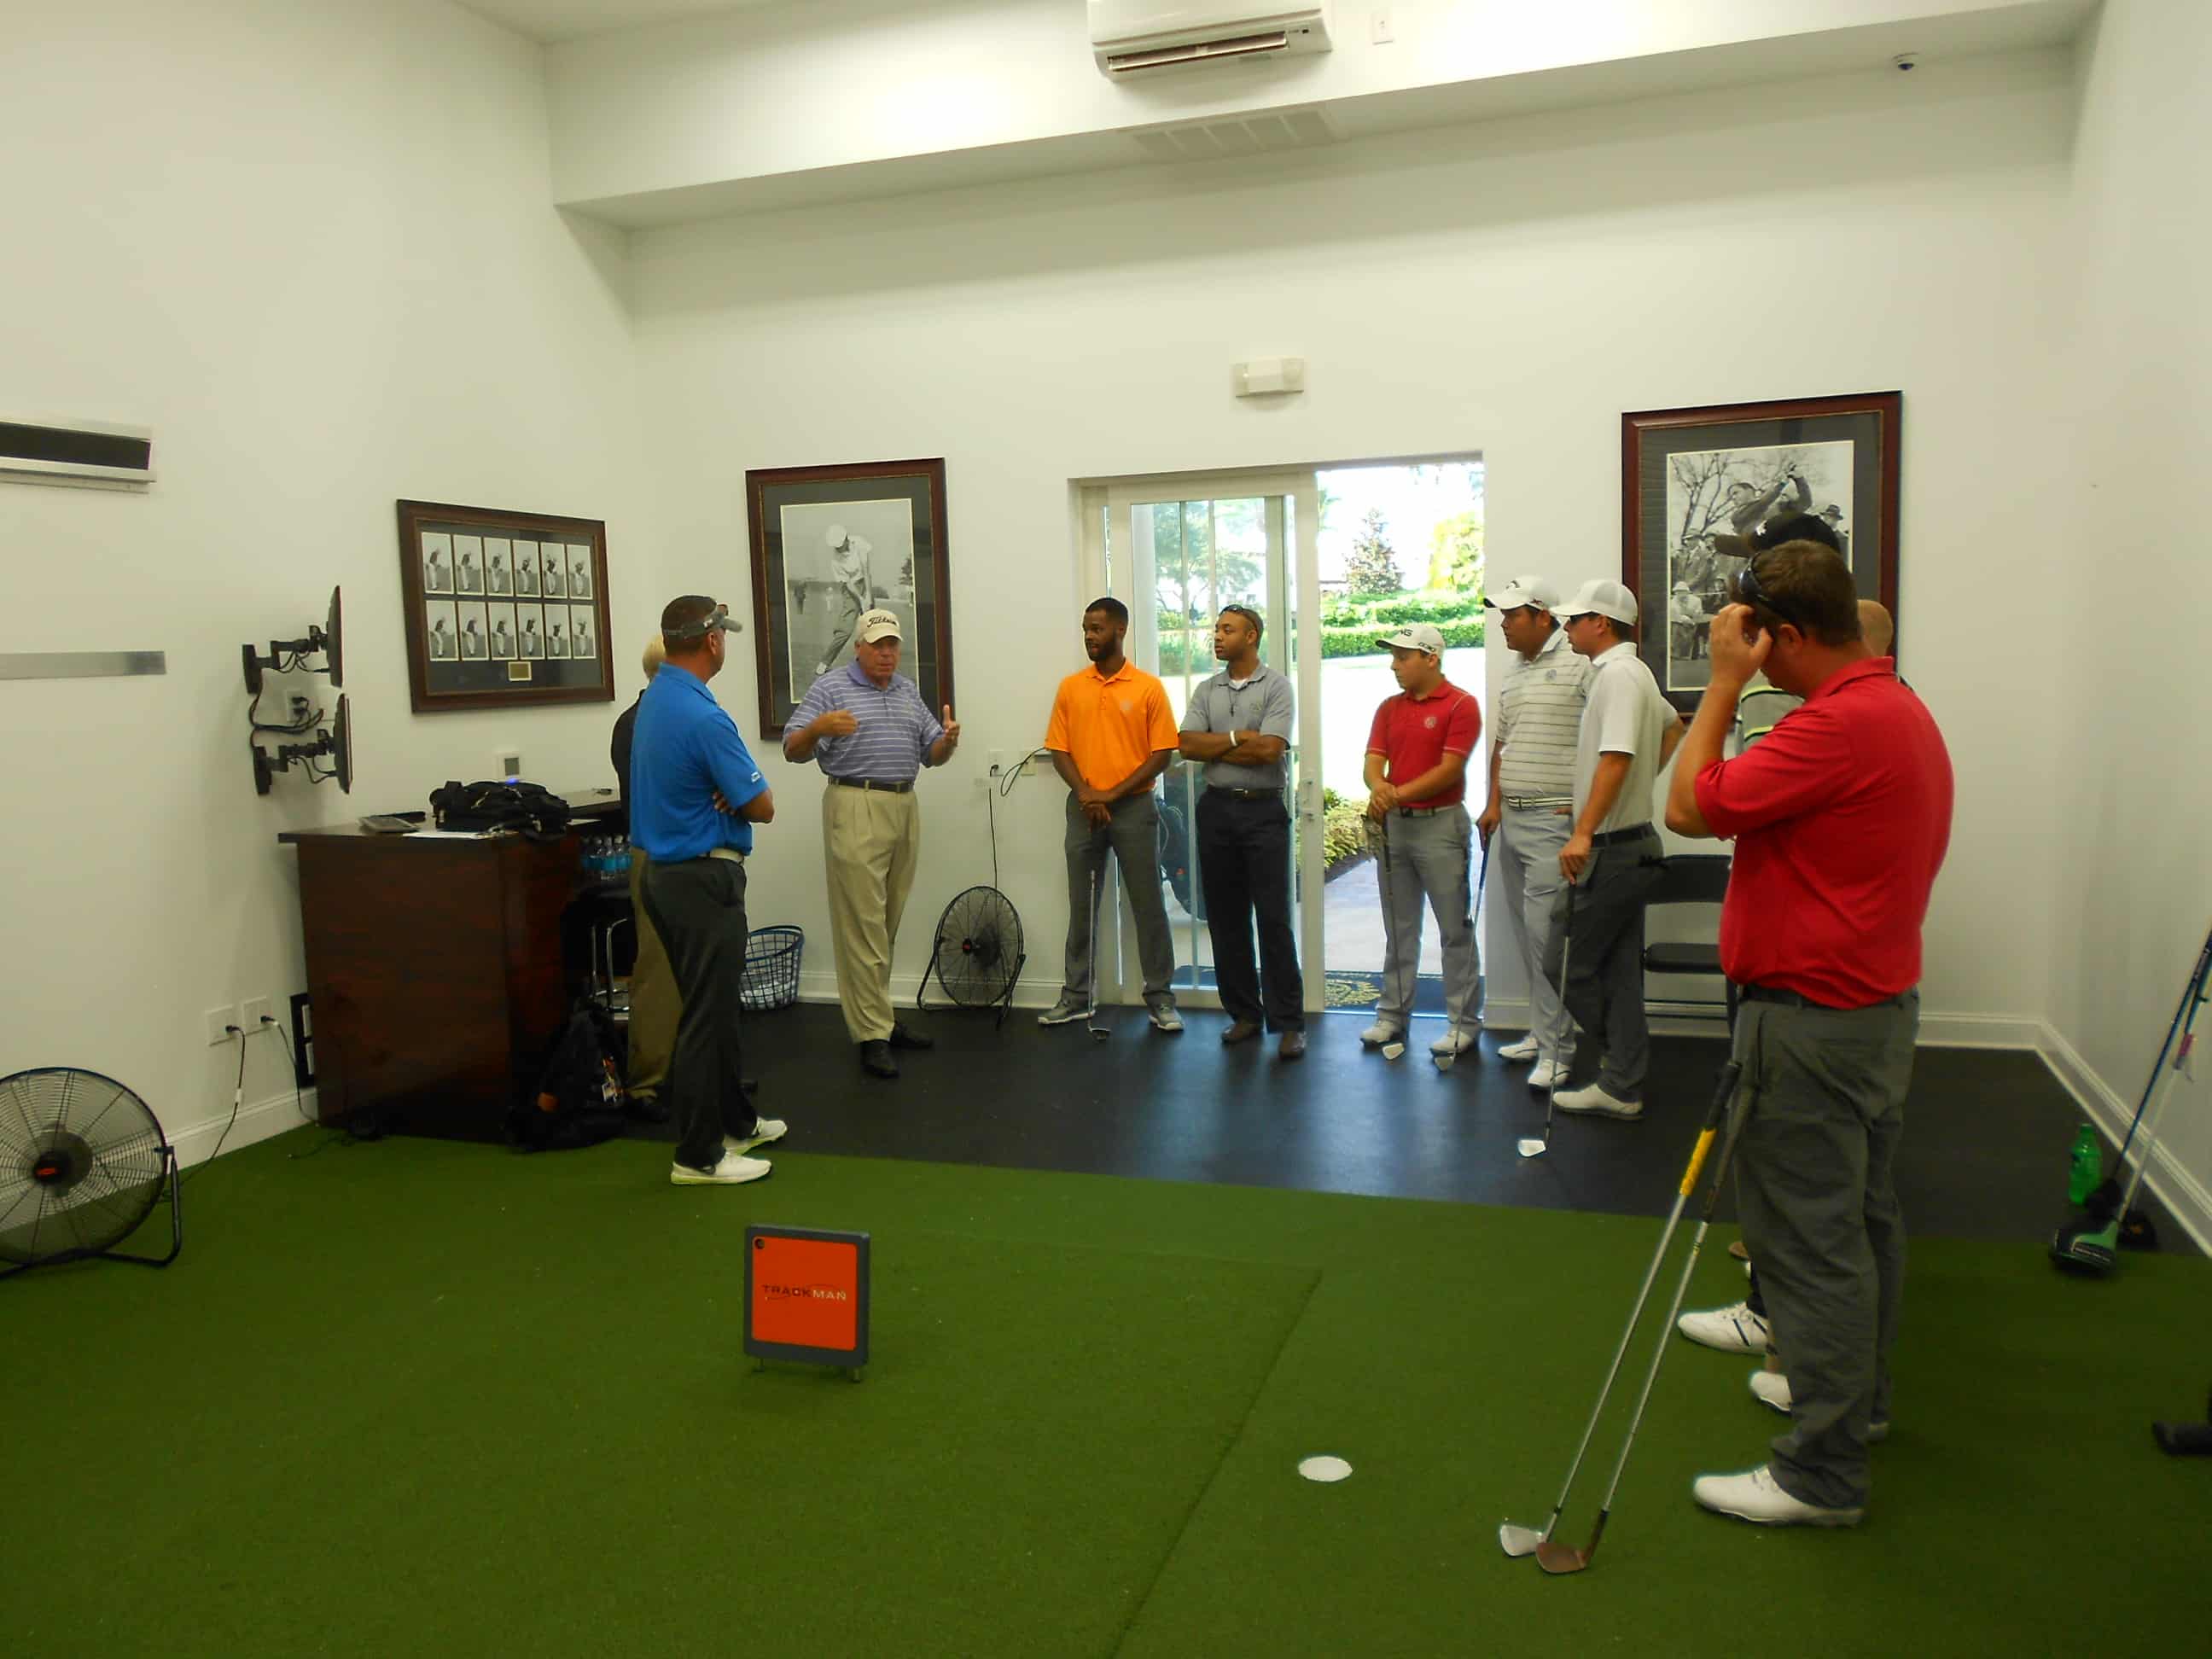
(580,1102)
(531,808)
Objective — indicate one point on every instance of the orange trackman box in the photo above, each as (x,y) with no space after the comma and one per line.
(806,1296)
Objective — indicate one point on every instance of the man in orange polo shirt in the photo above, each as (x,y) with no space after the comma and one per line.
(1111,735)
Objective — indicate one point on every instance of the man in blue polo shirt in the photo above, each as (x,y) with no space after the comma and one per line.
(868,727)
(694,796)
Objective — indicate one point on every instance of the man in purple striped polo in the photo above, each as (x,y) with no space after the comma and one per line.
(866,726)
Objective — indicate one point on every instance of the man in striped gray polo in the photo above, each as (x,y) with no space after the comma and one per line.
(868,727)
(1532,792)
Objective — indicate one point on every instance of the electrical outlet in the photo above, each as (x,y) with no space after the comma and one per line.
(218,1021)
(998,759)
(509,762)
(1379,28)
(257,1016)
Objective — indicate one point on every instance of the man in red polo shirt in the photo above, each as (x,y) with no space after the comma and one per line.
(1840,815)
(1416,754)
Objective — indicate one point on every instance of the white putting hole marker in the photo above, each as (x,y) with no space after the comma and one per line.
(1326,1470)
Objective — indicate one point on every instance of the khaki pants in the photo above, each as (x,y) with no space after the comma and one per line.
(870,841)
(655,1004)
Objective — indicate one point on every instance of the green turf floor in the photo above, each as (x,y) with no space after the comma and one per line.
(420,1397)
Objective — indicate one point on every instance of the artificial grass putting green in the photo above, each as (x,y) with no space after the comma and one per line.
(435,1398)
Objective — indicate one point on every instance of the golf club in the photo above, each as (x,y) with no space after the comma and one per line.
(1378,837)
(1099,1033)
(1526,1541)
(1474,928)
(2090,1244)
(1533,1145)
(1552,1556)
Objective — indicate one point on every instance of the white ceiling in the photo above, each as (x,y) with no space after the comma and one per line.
(568,20)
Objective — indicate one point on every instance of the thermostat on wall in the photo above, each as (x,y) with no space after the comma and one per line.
(1264,375)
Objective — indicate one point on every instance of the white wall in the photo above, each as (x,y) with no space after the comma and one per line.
(310,245)
(1507,289)
(2136,873)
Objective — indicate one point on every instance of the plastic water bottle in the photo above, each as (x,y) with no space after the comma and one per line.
(2088,1166)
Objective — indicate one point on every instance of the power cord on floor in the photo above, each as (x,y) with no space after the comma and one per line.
(237,1096)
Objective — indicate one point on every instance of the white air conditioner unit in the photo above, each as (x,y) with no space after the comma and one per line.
(1134,36)
(34,449)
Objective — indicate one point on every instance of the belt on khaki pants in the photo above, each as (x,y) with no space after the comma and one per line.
(731,854)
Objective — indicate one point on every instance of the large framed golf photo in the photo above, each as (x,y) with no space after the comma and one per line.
(831,542)
(1697,483)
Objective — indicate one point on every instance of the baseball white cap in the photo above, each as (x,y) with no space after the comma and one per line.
(835,535)
(1532,591)
(1606,598)
(1417,636)
(878,625)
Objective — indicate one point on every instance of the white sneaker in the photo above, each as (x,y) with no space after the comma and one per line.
(1380,1032)
(765,1129)
(1521,1053)
(1595,1100)
(1756,1497)
(1732,1330)
(1772,1389)
(1548,1075)
(1454,1042)
(1164,1018)
(732,1171)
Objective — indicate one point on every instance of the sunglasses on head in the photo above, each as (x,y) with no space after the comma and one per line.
(718,622)
(1748,590)
(1243,610)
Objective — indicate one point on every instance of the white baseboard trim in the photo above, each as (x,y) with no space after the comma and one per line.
(196,1142)
(2175,1187)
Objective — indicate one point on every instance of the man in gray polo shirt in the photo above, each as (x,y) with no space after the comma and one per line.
(1239,724)
(1611,857)
(867,726)
(1531,789)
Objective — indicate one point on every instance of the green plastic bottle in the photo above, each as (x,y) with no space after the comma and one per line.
(2088,1166)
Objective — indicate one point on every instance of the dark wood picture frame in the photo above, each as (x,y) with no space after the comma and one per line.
(1678,467)
(799,601)
(442,681)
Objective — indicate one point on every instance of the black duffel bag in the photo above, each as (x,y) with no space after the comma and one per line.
(531,808)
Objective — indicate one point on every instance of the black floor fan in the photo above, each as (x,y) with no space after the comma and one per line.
(82,1164)
(978,955)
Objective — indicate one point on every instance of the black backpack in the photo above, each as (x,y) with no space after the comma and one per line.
(531,808)
(580,1101)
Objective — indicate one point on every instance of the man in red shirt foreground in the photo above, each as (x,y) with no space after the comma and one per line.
(1840,816)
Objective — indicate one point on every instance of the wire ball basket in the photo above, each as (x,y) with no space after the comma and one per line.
(772,968)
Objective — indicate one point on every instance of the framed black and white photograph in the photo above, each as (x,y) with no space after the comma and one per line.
(830,542)
(1698,484)
(494,644)
(437,564)
(442,630)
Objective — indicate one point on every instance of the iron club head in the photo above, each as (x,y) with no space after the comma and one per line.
(1532,1145)
(1518,1541)
(1557,1558)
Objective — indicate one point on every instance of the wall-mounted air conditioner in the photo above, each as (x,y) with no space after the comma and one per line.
(1134,36)
(94,452)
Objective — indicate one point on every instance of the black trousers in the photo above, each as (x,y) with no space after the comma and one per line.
(698,908)
(1244,868)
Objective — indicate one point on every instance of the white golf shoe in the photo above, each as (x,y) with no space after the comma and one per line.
(1521,1053)
(1772,1389)
(733,1170)
(1380,1032)
(1594,1101)
(1548,1075)
(1732,1330)
(1454,1042)
(1757,1497)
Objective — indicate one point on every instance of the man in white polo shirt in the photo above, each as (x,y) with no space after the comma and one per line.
(1612,853)
(870,732)
(1532,790)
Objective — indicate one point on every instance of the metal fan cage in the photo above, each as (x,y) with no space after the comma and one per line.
(82,1164)
(979,952)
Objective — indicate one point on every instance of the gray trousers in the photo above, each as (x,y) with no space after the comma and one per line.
(1526,851)
(1424,859)
(1605,988)
(1134,838)
(1815,1190)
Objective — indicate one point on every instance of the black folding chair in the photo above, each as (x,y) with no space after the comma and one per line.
(1691,879)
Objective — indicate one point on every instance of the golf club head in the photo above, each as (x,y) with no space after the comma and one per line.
(1444,1061)
(1557,1558)
(1394,1051)
(1532,1145)
(1518,1541)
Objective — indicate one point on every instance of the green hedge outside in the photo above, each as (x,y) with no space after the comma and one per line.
(1357,640)
(1395,608)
